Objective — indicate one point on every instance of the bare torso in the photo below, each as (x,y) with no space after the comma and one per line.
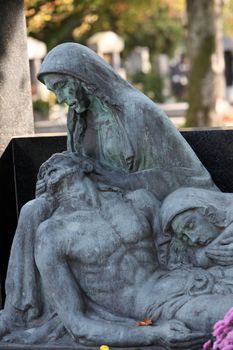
(110,249)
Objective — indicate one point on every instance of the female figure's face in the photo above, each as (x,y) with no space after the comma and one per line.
(193,228)
(68,90)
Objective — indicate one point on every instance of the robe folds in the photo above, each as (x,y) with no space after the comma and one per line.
(129,133)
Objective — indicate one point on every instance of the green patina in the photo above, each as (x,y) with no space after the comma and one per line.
(111,137)
(108,125)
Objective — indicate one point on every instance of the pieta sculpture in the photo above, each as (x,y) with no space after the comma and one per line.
(127,227)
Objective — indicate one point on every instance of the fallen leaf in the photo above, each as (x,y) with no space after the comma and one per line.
(145,322)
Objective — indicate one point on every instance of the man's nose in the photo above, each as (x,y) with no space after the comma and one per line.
(60,97)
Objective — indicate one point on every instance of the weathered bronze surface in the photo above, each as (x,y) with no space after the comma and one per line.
(125,241)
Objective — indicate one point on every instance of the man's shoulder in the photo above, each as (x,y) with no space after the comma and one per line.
(143,198)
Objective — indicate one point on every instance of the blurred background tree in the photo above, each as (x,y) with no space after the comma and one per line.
(228,17)
(191,28)
(156,24)
(205,47)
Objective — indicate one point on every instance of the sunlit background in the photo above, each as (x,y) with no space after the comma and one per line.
(179,53)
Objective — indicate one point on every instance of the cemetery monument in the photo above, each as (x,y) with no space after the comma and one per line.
(127,225)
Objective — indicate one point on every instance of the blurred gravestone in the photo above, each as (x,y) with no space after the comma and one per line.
(138,61)
(108,45)
(15,97)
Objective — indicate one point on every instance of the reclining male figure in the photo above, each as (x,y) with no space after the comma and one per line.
(94,251)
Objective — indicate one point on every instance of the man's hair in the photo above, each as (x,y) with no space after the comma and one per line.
(61,165)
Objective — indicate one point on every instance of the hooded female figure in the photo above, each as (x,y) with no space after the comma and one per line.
(118,126)
(198,225)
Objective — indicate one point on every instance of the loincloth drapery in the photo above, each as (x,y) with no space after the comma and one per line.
(175,288)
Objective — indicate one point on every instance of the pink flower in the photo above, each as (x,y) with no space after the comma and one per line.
(219,324)
(219,331)
(227,347)
(207,345)
(229,313)
(229,336)
(223,333)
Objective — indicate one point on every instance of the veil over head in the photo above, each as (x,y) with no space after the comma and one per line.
(216,206)
(84,64)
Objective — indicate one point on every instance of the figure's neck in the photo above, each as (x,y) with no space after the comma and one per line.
(81,192)
(96,106)
(74,200)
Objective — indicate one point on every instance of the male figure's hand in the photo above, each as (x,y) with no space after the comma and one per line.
(175,335)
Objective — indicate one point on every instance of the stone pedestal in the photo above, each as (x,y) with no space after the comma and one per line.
(16,116)
(67,347)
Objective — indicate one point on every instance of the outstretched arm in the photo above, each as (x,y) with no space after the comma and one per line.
(169,334)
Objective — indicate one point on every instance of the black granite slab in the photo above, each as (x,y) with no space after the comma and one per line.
(214,148)
(28,154)
(8,218)
(19,165)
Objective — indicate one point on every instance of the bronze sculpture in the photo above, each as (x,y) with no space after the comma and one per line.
(94,259)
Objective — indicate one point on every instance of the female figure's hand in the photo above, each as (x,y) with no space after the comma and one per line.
(220,250)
